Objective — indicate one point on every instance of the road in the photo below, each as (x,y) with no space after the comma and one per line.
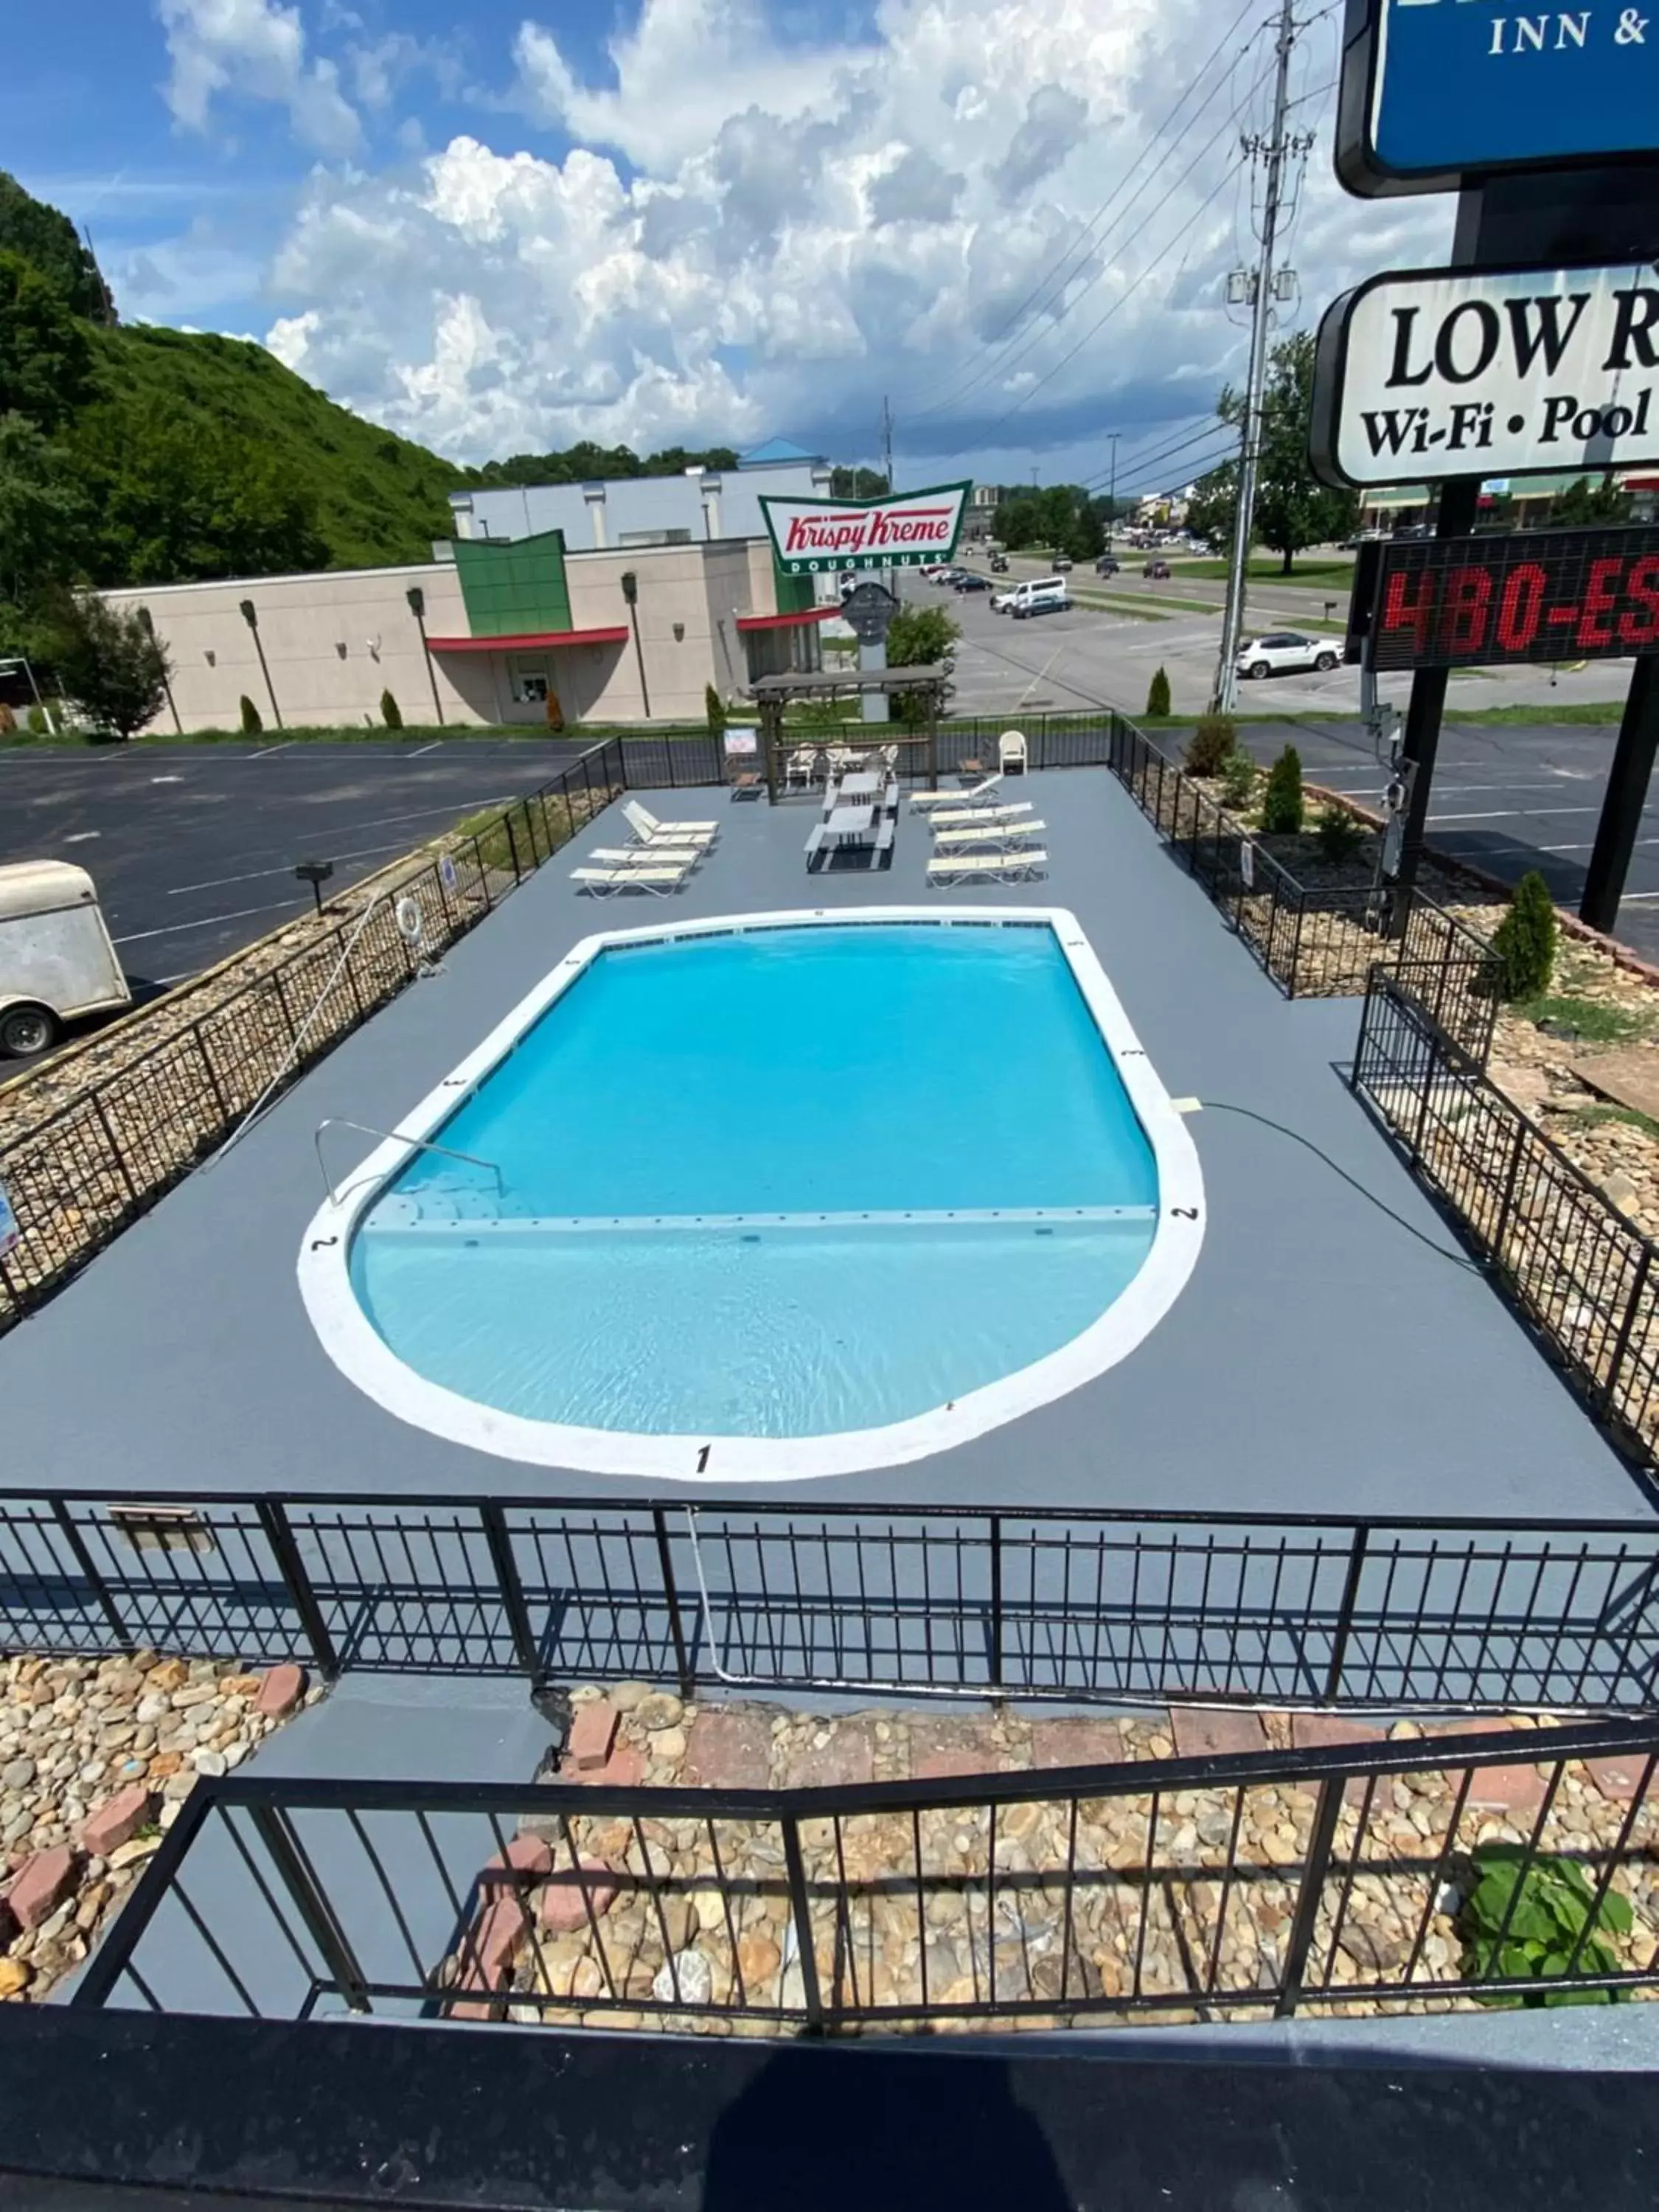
(1506,798)
(192,848)
(1106,654)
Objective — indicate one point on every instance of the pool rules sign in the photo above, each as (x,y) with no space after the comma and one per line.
(1432,374)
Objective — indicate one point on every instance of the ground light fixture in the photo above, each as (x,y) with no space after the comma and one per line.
(251,617)
(316,873)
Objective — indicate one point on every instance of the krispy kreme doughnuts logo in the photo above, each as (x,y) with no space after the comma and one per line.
(816,534)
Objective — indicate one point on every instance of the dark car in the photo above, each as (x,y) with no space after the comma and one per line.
(999,564)
(969,583)
(1157,570)
(1107,565)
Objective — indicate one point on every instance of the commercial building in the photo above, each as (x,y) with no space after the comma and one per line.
(495,632)
(627,513)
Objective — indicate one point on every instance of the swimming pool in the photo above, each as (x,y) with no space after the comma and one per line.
(774,1195)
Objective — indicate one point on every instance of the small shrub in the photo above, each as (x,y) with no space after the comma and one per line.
(1555,1907)
(555,713)
(1339,834)
(713,707)
(252,723)
(1281,802)
(391,713)
(36,718)
(1157,696)
(1524,941)
(8,719)
(1211,746)
(1237,778)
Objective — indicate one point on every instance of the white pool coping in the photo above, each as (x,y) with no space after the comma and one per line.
(352,1343)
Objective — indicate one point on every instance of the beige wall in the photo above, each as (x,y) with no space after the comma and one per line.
(305,621)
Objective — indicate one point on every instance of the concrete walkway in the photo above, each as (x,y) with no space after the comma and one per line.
(1333,1351)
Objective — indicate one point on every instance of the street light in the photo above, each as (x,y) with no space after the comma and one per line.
(416,598)
(251,617)
(148,626)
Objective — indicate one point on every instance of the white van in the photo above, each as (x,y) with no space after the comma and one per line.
(57,963)
(1039,595)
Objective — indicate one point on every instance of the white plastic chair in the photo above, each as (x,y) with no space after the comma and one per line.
(1012,753)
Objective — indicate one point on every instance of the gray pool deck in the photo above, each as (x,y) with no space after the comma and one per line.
(1334,1351)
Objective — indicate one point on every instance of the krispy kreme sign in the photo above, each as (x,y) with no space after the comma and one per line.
(815,536)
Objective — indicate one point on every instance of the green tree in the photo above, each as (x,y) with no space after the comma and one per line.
(1524,941)
(48,240)
(858,483)
(109,662)
(1281,802)
(1590,499)
(42,526)
(917,637)
(44,360)
(391,713)
(1157,696)
(253,721)
(714,708)
(1293,509)
(174,503)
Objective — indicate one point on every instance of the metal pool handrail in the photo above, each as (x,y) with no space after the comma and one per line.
(396,1137)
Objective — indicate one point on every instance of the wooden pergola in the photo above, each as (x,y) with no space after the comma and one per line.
(772,695)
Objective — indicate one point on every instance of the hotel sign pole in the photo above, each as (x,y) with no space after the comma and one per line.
(1547,128)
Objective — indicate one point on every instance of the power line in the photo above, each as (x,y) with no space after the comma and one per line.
(1080,238)
(1122,300)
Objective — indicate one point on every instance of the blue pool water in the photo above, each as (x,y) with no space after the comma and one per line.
(842,1072)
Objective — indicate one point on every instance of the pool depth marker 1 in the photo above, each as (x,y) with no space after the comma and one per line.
(1545,127)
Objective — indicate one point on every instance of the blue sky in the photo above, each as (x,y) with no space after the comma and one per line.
(500,228)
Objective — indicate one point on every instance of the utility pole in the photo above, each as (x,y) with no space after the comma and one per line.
(1112,437)
(887,440)
(1279,147)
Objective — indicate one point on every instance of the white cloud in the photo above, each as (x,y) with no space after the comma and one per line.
(253,49)
(743,237)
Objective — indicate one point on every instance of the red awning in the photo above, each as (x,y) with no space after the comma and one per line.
(534,641)
(786,621)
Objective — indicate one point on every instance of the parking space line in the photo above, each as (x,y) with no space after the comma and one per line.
(207,921)
(269,749)
(1515,813)
(431,748)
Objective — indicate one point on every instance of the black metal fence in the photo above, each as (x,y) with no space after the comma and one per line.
(1425,1873)
(1125,1606)
(1580,1272)
(1314,940)
(77,1175)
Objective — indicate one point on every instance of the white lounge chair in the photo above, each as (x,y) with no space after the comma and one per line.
(981,795)
(802,768)
(649,831)
(659,879)
(1002,833)
(1012,753)
(974,867)
(954,817)
(648,856)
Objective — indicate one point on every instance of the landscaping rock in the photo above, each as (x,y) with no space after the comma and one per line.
(280,1692)
(116,1821)
(563,1903)
(592,1732)
(44,1880)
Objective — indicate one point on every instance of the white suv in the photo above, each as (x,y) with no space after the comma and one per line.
(1279,651)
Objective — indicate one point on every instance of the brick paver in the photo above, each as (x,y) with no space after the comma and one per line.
(729,1749)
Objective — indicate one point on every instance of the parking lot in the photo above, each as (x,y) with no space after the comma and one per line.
(1106,655)
(192,848)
